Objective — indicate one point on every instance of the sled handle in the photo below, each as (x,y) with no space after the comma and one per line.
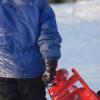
(80,79)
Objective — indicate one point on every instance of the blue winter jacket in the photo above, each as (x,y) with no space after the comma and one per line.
(28,35)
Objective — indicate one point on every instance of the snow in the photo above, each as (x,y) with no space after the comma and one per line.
(79,26)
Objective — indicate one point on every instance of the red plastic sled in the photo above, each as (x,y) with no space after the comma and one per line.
(64,88)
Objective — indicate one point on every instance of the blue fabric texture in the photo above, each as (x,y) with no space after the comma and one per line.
(28,35)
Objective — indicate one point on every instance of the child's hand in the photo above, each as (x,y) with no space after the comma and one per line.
(50,71)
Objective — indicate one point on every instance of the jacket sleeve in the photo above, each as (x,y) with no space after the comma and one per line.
(49,39)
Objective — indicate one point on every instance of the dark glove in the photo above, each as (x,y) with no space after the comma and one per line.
(50,71)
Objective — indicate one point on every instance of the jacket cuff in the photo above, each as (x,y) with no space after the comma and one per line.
(51,62)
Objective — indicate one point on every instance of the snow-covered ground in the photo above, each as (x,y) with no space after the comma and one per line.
(79,26)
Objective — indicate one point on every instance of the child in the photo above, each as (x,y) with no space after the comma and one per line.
(29,49)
